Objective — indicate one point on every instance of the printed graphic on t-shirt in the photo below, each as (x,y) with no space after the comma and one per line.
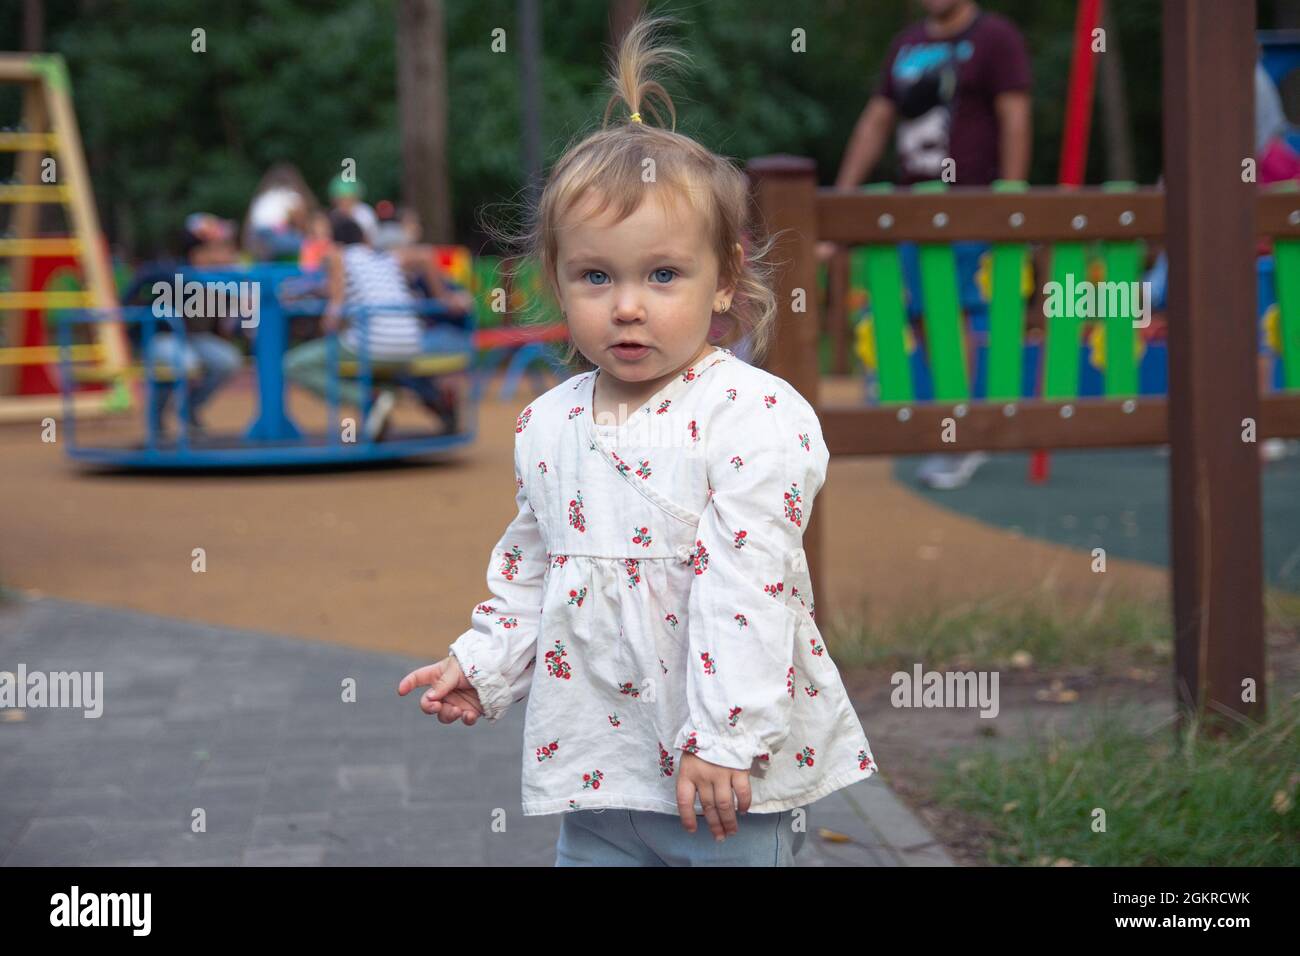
(925,77)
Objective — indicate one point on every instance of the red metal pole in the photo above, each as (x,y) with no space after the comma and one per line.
(1074,141)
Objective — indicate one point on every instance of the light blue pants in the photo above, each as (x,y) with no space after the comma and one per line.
(617,837)
(215,359)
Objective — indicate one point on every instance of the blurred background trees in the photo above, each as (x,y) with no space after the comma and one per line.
(169,131)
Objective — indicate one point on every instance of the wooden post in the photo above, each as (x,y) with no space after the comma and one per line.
(422,106)
(1215,541)
(785,191)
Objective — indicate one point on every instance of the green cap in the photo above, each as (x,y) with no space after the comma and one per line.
(340,187)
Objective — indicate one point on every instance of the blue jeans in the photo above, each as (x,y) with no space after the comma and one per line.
(215,358)
(617,837)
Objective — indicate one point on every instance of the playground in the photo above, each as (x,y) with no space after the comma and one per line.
(208,457)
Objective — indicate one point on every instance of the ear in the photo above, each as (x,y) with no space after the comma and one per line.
(729,289)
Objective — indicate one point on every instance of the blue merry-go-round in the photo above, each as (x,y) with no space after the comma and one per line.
(282,293)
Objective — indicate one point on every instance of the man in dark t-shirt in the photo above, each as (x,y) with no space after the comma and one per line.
(956,85)
(956,88)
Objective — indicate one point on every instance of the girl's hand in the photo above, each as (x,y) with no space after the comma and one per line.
(715,785)
(452,695)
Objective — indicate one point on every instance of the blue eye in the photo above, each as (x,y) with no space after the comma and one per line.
(595,272)
(671,273)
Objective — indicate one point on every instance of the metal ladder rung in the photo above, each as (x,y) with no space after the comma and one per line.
(53,246)
(47,300)
(11,142)
(59,194)
(49,354)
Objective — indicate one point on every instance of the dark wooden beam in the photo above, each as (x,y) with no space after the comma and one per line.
(1215,542)
(1023,425)
(783,188)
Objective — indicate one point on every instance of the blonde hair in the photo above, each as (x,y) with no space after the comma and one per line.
(608,165)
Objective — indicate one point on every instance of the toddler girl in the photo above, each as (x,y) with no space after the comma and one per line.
(651,598)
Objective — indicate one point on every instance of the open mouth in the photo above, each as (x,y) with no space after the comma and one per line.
(630,350)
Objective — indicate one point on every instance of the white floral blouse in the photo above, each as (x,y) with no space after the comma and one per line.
(651,597)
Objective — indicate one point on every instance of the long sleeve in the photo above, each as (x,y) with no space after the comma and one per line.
(766,461)
(498,652)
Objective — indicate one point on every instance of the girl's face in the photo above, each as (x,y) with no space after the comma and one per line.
(650,280)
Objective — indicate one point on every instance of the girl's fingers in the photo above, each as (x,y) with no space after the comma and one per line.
(419,677)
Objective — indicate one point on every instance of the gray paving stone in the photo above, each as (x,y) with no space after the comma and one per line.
(251,728)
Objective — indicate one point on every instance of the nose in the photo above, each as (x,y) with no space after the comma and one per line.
(627,305)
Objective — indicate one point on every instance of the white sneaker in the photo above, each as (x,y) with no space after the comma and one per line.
(380,409)
(959,474)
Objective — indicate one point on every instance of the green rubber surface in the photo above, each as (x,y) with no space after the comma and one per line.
(1117,499)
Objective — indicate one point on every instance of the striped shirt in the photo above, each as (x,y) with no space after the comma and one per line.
(375,291)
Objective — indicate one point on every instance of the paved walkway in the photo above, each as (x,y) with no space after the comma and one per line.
(251,728)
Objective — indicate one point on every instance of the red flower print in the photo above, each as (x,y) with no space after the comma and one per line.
(691,746)
(633,572)
(803,440)
(811,690)
(733,716)
(738,462)
(864,760)
(508,622)
(731,394)
(689,374)
(817,649)
(663,406)
(522,421)
(519,481)
(541,466)
(700,557)
(629,689)
(485,609)
(576,597)
(592,780)
(769,400)
(614,721)
(641,536)
(710,666)
(575,412)
(793,498)
(576,518)
(643,470)
(559,560)
(805,757)
(665,761)
(622,466)
(695,432)
(742,620)
(671,619)
(510,563)
(774,589)
(556,665)
(547,751)
(739,541)
(789,682)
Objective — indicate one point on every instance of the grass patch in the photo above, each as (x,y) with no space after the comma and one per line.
(1195,801)
(1110,635)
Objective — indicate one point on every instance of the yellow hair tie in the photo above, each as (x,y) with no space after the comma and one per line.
(636,117)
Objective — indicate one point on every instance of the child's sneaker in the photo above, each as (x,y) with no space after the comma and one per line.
(377,421)
(960,471)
